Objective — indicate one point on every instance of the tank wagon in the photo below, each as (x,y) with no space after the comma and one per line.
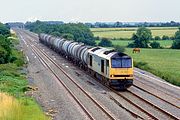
(110,67)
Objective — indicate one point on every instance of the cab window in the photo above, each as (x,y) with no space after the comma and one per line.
(121,62)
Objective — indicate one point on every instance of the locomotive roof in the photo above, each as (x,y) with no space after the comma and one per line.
(107,53)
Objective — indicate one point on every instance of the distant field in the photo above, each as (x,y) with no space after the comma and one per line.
(127,32)
(164,43)
(164,62)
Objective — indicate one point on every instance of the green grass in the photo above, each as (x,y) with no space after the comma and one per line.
(163,43)
(29,106)
(161,62)
(127,32)
(19,109)
(14,83)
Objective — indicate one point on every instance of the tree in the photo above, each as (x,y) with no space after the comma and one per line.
(68,36)
(105,43)
(164,37)
(141,37)
(176,43)
(155,44)
(119,48)
(56,34)
(4,30)
(157,38)
(5,50)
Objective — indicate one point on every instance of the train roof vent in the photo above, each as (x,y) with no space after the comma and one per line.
(109,51)
(97,48)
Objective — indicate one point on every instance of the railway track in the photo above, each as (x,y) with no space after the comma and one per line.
(155,106)
(174,105)
(139,107)
(40,53)
(158,89)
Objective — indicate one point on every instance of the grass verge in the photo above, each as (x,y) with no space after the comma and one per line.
(14,104)
(19,109)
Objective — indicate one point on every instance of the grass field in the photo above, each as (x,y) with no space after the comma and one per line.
(163,43)
(162,62)
(127,32)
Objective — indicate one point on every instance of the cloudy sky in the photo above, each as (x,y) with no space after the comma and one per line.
(90,10)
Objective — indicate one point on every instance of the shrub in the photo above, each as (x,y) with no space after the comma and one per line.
(176,44)
(97,38)
(105,43)
(157,38)
(155,44)
(164,37)
(119,48)
(172,38)
(131,45)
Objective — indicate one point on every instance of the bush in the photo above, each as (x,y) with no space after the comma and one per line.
(172,38)
(176,44)
(105,43)
(131,45)
(155,44)
(97,38)
(157,38)
(164,37)
(119,48)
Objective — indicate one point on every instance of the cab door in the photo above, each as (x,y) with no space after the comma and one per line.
(102,66)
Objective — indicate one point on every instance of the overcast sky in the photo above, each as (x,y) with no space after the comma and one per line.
(90,10)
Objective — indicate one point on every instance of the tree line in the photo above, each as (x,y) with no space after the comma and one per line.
(71,31)
(135,24)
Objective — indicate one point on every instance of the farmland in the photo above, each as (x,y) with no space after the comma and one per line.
(163,43)
(127,32)
(162,62)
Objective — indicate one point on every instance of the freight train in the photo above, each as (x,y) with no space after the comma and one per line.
(112,68)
